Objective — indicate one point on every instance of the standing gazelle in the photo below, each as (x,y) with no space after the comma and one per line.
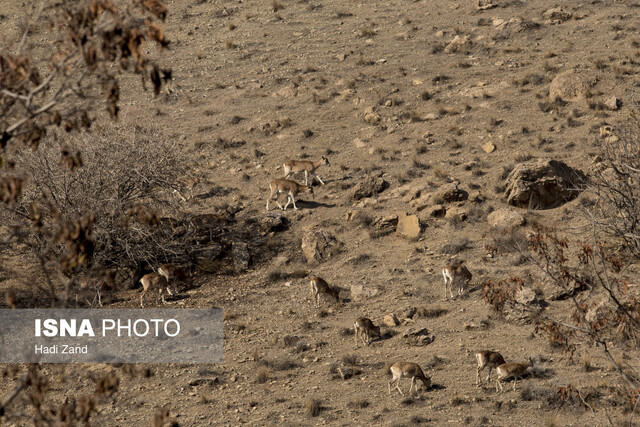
(320,286)
(455,273)
(292,166)
(153,281)
(173,274)
(364,329)
(515,370)
(408,370)
(487,359)
(290,188)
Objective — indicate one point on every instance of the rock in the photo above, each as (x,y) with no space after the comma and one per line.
(418,336)
(605,131)
(489,147)
(449,193)
(556,15)
(408,226)
(505,218)
(358,143)
(570,86)
(461,44)
(409,313)
(386,221)
(437,211)
(390,320)
(525,296)
(368,187)
(273,221)
(612,103)
(363,293)
(241,256)
(545,184)
(600,312)
(456,213)
(485,4)
(317,246)
(288,92)
(371,117)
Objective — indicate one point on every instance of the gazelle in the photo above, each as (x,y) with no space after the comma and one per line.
(292,166)
(364,328)
(515,370)
(173,274)
(320,286)
(153,281)
(408,370)
(455,273)
(487,359)
(290,188)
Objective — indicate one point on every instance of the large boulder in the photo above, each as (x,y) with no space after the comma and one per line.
(543,185)
(418,336)
(449,193)
(570,86)
(368,187)
(408,226)
(317,246)
(505,218)
(273,221)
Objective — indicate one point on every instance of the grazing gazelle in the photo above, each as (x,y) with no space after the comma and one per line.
(487,359)
(408,370)
(290,188)
(173,274)
(292,166)
(515,370)
(364,329)
(153,281)
(455,273)
(320,286)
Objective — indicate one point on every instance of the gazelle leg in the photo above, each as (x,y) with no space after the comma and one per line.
(398,387)
(489,374)
(316,176)
(306,177)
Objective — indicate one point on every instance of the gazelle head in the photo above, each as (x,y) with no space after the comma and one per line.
(325,161)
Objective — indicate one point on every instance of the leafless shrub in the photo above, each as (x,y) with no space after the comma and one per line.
(455,247)
(100,206)
(584,274)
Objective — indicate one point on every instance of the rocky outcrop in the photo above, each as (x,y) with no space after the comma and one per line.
(543,185)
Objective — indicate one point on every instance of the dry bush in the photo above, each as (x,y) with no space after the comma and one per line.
(98,210)
(604,309)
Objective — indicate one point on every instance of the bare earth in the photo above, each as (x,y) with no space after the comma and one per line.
(246,73)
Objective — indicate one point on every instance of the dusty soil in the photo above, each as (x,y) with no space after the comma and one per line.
(298,83)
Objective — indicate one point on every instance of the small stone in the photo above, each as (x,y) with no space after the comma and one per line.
(358,143)
(489,147)
(612,103)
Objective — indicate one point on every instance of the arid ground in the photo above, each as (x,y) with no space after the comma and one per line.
(376,87)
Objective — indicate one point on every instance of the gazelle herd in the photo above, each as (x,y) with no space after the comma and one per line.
(456,276)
